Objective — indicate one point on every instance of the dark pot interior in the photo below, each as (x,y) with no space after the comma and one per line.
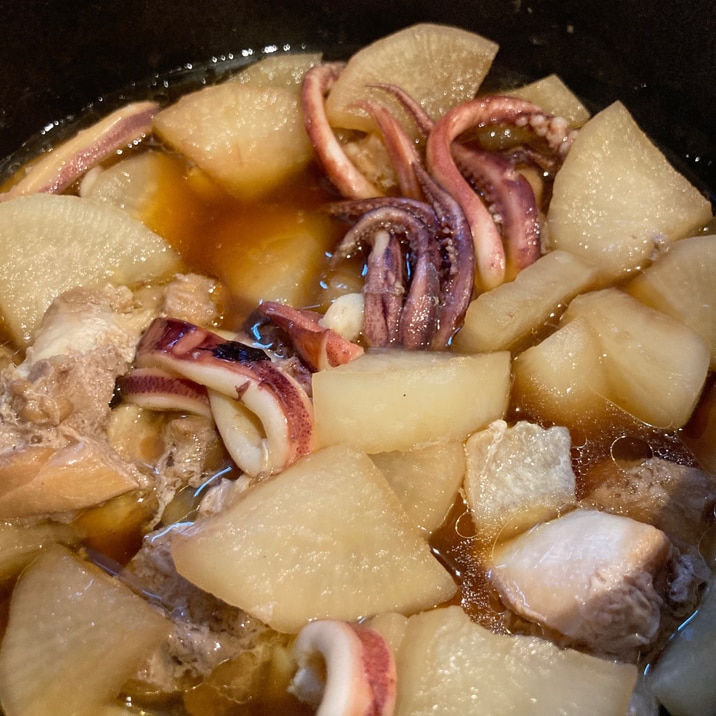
(60,55)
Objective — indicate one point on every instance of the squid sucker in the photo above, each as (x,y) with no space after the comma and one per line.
(465,218)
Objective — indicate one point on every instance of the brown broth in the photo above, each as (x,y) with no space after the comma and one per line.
(278,248)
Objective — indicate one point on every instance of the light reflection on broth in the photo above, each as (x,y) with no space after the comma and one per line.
(251,249)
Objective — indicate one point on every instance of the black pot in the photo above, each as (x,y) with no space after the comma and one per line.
(659,58)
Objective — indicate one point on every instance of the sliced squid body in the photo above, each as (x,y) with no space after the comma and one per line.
(239,378)
(344,670)
(595,582)
(256,439)
(59,168)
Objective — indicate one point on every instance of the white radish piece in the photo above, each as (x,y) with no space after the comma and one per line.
(617,202)
(358,674)
(655,365)
(21,542)
(248,138)
(683,676)
(326,538)
(280,70)
(437,65)
(426,479)
(398,400)
(445,658)
(554,97)
(73,638)
(506,317)
(682,284)
(51,244)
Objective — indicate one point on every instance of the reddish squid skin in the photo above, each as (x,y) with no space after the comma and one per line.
(228,367)
(159,390)
(480,112)
(512,202)
(358,673)
(65,164)
(318,347)
(346,177)
(380,670)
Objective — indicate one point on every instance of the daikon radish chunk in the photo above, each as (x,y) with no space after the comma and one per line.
(617,201)
(37,479)
(281,70)
(436,65)
(53,243)
(391,626)
(503,318)
(20,543)
(684,676)
(425,479)
(655,366)
(74,636)
(279,260)
(325,538)
(249,139)
(445,658)
(682,284)
(398,400)
(516,477)
(132,184)
(561,379)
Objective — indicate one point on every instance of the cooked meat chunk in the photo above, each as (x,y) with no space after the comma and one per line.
(206,630)
(175,451)
(589,576)
(38,480)
(678,499)
(192,298)
(87,338)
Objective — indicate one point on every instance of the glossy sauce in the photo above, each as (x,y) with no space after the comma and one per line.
(278,248)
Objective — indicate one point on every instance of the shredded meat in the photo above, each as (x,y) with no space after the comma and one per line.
(61,393)
(206,630)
